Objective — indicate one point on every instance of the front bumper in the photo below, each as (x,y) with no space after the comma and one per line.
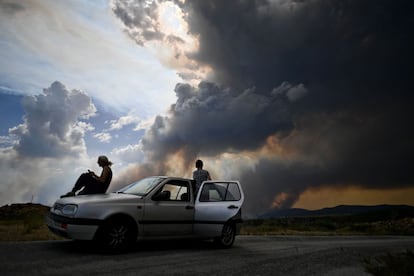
(73,228)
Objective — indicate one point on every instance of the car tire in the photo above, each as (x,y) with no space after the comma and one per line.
(228,234)
(116,235)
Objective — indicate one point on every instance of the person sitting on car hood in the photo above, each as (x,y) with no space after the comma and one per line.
(92,183)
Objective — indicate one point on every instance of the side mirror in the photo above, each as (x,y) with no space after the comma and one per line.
(164,195)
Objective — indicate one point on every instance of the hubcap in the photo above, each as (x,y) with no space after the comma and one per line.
(117,236)
(227,237)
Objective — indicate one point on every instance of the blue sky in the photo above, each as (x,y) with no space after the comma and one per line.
(305,102)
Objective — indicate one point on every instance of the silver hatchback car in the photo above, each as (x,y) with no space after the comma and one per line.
(153,207)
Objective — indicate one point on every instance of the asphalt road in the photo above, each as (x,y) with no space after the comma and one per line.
(250,255)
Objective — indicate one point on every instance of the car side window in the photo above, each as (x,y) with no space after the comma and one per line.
(220,191)
(233,192)
(178,190)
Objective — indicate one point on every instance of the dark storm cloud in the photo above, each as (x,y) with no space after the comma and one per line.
(352,59)
(10,7)
(358,148)
(210,120)
(350,47)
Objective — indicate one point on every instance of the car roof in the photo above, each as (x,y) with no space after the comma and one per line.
(176,178)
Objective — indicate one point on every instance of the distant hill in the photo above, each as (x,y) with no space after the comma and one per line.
(398,211)
(24,222)
(339,220)
(22,210)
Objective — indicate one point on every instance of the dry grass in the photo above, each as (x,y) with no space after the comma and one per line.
(24,222)
(327,226)
(24,231)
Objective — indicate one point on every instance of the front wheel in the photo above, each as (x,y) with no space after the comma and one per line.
(228,234)
(116,236)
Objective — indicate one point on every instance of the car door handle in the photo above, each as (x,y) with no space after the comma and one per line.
(232,207)
(189,207)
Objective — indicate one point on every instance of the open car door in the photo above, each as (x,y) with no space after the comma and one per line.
(218,203)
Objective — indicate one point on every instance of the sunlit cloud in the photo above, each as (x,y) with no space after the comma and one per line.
(129,154)
(50,127)
(103,137)
(162,27)
(7,141)
(124,121)
(86,50)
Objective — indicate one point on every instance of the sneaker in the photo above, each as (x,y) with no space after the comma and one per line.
(68,195)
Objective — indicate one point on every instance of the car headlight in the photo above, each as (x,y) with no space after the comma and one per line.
(69,210)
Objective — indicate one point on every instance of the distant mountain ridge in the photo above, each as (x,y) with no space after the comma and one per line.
(341,210)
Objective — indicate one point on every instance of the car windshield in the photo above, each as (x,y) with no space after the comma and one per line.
(142,187)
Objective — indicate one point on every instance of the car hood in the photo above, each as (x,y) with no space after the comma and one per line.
(98,198)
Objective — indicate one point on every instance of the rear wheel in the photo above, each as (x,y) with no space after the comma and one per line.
(116,235)
(228,234)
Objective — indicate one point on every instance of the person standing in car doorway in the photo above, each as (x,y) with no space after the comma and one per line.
(200,175)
